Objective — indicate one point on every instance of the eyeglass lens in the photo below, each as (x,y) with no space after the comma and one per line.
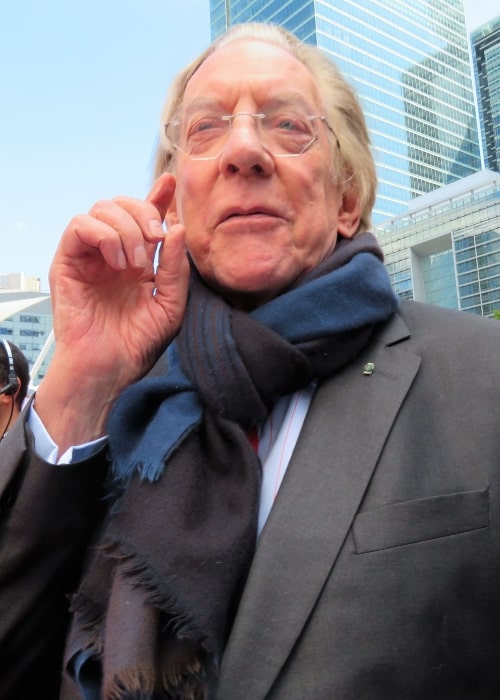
(287,131)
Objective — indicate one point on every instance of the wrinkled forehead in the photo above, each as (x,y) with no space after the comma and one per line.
(250,69)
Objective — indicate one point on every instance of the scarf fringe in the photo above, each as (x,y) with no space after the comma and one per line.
(140,684)
(133,567)
(90,619)
(132,684)
(182,673)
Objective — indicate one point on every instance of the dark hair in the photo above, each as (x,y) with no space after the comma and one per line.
(21,368)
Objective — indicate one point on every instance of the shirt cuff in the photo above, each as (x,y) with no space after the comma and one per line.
(47,449)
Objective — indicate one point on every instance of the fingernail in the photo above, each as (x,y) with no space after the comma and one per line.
(121,260)
(156,229)
(140,256)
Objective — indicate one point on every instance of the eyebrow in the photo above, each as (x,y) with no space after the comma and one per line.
(276,101)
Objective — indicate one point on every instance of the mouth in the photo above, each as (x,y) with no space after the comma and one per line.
(254,211)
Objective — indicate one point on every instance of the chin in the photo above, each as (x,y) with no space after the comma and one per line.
(246,296)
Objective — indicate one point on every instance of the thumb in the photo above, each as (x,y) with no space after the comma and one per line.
(172,277)
(162,192)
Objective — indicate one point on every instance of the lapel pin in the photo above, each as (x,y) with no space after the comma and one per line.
(369,368)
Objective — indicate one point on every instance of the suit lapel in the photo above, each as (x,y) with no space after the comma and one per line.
(332,464)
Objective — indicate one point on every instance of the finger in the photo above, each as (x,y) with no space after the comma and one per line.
(161,193)
(172,276)
(80,243)
(127,218)
(85,237)
(150,213)
(110,231)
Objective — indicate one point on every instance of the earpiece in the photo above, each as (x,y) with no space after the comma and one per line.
(13,383)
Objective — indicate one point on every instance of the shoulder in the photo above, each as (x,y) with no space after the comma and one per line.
(428,320)
(454,337)
(418,311)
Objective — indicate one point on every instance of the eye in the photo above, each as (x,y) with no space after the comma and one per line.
(205,124)
(204,135)
(292,123)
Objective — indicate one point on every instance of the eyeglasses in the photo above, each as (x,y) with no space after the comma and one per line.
(285,132)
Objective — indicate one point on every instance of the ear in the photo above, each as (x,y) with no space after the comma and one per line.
(349,214)
(171,217)
(10,396)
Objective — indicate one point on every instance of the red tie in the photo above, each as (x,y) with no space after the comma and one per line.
(253,439)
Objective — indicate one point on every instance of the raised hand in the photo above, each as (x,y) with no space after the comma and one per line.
(113,315)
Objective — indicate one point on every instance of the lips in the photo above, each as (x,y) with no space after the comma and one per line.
(241,212)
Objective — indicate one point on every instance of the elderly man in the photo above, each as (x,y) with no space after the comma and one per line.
(301,499)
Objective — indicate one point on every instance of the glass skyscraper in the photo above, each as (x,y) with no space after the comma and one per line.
(485,43)
(409,62)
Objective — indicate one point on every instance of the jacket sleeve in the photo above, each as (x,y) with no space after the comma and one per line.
(47,516)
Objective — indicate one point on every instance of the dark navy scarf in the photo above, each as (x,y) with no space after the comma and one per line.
(156,608)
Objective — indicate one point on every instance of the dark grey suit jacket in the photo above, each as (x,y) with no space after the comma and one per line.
(377,574)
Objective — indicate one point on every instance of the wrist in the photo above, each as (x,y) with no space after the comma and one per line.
(73,403)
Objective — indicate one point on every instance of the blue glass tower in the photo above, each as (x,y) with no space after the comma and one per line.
(409,62)
(485,43)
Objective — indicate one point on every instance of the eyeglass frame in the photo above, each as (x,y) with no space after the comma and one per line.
(259,115)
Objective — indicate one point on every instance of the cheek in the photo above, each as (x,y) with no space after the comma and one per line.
(189,192)
(317,208)
(318,230)
(198,245)
(197,237)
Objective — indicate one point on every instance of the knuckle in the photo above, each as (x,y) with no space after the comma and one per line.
(99,208)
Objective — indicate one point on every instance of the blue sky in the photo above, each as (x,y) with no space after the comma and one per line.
(82,85)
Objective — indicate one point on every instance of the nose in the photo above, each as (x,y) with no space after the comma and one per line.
(244,152)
